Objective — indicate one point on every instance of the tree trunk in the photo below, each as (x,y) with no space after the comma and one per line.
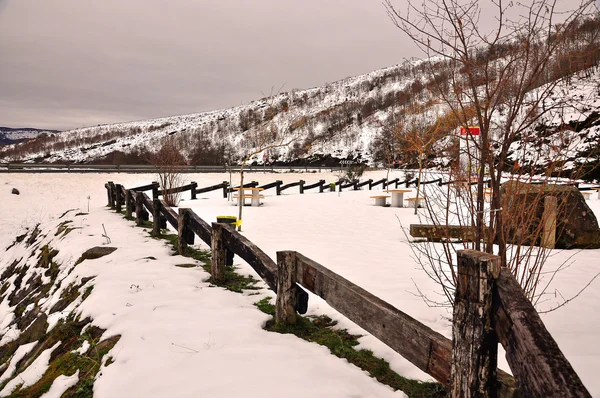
(419,183)
(240,197)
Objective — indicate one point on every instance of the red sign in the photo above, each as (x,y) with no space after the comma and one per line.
(472,131)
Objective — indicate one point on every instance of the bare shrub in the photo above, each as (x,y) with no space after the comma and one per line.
(167,161)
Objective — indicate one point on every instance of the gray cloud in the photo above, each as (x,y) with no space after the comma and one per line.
(71,63)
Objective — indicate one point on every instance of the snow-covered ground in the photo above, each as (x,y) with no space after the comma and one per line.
(181,338)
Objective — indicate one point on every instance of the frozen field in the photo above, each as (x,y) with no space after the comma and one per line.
(344,232)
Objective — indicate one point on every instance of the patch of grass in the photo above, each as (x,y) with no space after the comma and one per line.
(233,281)
(320,329)
(81,214)
(88,291)
(66,362)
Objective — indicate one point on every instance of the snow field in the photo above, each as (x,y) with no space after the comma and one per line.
(182,338)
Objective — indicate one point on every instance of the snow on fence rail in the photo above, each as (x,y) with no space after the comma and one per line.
(490,307)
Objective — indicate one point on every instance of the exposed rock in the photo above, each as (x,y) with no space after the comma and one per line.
(523,204)
(15,191)
(96,252)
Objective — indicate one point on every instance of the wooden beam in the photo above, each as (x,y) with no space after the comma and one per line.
(425,348)
(201,228)
(185,236)
(252,254)
(538,365)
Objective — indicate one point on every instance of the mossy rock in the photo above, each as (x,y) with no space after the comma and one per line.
(96,252)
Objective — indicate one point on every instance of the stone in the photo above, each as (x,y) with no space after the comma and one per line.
(15,191)
(95,252)
(523,207)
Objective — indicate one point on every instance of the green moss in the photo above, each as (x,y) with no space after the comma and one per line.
(320,329)
(66,362)
(87,292)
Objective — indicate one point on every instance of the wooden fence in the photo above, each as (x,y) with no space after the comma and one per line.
(490,308)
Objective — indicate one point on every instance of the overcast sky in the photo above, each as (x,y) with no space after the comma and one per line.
(73,63)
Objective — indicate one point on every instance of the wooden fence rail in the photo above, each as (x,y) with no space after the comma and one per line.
(490,307)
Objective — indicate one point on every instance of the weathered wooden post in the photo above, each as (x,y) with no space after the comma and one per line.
(549,222)
(139,209)
(278,189)
(194,185)
(285,306)
(155,186)
(219,253)
(128,203)
(118,197)
(321,185)
(355,186)
(301,185)
(111,189)
(108,194)
(474,342)
(225,186)
(156,218)
(185,235)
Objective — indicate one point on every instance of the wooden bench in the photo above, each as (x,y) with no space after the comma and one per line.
(587,195)
(255,199)
(413,201)
(380,200)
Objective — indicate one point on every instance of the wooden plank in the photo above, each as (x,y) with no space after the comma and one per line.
(539,367)
(271,185)
(362,184)
(282,188)
(318,184)
(212,187)
(252,254)
(143,188)
(474,342)
(201,228)
(425,348)
(184,188)
(170,214)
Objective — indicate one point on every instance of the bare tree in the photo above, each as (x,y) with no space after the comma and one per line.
(501,79)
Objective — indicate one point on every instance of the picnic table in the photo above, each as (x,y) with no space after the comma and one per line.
(398,196)
(254,195)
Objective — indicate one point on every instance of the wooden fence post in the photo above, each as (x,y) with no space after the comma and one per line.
(474,342)
(301,186)
(128,203)
(141,214)
(194,185)
(219,253)
(109,196)
(118,198)
(225,186)
(185,235)
(155,186)
(112,189)
(285,307)
(156,218)
(549,222)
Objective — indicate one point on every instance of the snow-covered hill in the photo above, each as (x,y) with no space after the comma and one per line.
(14,135)
(341,120)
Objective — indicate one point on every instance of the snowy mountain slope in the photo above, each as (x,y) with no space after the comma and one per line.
(340,120)
(14,135)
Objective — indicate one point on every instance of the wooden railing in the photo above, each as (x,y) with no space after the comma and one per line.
(490,307)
